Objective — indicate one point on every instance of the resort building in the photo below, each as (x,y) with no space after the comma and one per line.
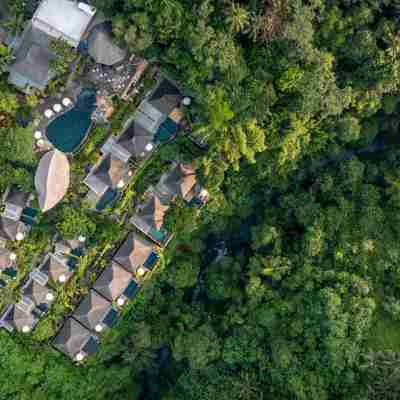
(116,285)
(149,218)
(181,181)
(156,120)
(7,259)
(95,312)
(137,255)
(53,19)
(107,177)
(39,293)
(135,141)
(17,217)
(19,317)
(52,179)
(57,267)
(75,341)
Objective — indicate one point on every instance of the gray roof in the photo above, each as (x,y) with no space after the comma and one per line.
(37,293)
(102,48)
(16,197)
(112,282)
(93,310)
(54,266)
(62,18)
(107,174)
(15,318)
(180,181)
(165,97)
(149,117)
(73,338)
(32,58)
(134,252)
(135,139)
(153,212)
(52,179)
(5,261)
(9,228)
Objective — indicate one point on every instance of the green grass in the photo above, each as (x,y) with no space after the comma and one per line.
(385,333)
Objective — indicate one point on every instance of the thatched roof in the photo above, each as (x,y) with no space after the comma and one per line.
(52,179)
(102,48)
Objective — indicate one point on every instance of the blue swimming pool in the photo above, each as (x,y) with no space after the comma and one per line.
(69,130)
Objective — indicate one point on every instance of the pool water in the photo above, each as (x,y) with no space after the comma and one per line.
(166,131)
(108,199)
(69,130)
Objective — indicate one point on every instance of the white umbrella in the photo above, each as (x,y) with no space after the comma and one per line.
(37,135)
(149,147)
(48,113)
(19,236)
(121,301)
(66,101)
(57,107)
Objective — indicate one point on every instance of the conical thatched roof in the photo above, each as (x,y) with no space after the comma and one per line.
(52,179)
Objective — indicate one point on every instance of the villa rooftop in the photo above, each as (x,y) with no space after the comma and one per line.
(63,19)
(108,173)
(166,97)
(75,341)
(95,312)
(16,318)
(56,268)
(180,181)
(41,295)
(116,284)
(32,60)
(134,252)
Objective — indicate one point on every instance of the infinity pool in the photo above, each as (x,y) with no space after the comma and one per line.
(69,130)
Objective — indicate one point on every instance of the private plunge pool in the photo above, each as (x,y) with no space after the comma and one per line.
(68,131)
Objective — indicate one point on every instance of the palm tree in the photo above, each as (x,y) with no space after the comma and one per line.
(238,18)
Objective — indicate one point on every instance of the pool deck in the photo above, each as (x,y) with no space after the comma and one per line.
(41,123)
